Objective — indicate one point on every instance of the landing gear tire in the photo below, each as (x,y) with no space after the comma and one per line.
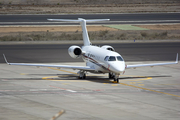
(116,80)
(110,76)
(82,77)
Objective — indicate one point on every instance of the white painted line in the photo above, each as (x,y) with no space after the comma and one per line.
(71,91)
(62,89)
(38,90)
(33,90)
(42,89)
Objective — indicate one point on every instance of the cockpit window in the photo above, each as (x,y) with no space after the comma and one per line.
(112,58)
(110,49)
(106,58)
(119,58)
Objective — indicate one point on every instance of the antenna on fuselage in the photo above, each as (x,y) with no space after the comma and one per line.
(83,25)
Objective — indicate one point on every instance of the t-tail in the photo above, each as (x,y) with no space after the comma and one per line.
(83,25)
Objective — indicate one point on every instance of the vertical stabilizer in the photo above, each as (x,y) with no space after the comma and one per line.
(84,32)
(83,25)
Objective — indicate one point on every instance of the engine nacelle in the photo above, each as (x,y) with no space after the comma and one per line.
(107,47)
(75,51)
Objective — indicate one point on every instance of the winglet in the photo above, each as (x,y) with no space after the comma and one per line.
(5,59)
(177,59)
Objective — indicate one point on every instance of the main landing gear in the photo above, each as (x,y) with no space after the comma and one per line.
(82,75)
(114,76)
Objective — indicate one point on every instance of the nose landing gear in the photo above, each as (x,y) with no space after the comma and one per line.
(114,76)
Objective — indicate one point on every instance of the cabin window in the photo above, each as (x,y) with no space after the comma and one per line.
(112,58)
(119,58)
(106,58)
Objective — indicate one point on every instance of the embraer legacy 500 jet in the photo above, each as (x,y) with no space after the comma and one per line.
(98,59)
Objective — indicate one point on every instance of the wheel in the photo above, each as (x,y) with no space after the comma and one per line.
(84,76)
(109,75)
(116,80)
(79,77)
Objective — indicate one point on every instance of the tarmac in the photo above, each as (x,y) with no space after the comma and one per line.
(33,93)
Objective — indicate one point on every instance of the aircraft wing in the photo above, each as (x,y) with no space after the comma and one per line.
(86,68)
(153,64)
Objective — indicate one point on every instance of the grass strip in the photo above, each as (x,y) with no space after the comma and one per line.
(125,27)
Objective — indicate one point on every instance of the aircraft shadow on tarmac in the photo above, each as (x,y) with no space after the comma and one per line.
(74,77)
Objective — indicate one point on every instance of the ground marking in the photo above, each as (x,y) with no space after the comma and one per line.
(63,89)
(149,89)
(141,84)
(132,82)
(61,70)
(57,115)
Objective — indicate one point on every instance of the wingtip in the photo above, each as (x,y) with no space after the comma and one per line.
(177,58)
(49,19)
(5,59)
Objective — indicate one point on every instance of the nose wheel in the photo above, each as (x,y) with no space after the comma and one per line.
(114,76)
(116,80)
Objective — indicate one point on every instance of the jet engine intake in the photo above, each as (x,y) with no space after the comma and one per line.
(75,51)
(107,47)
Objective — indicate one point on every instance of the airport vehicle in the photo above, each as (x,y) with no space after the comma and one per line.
(98,59)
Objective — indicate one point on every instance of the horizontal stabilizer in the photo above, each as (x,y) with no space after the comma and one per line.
(79,20)
(64,20)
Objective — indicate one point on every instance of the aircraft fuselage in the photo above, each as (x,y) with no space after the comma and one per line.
(104,61)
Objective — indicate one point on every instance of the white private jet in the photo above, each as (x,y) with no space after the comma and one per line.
(98,59)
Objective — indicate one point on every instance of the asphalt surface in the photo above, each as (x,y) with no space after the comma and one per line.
(136,18)
(54,53)
(31,93)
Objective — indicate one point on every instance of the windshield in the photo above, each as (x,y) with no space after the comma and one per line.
(119,58)
(112,58)
(106,58)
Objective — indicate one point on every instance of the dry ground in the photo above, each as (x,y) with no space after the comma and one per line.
(161,27)
(36,33)
(87,6)
(78,28)
(52,28)
(74,9)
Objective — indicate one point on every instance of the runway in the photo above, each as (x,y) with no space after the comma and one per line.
(128,18)
(55,53)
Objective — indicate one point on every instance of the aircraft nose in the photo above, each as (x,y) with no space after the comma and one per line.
(118,67)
